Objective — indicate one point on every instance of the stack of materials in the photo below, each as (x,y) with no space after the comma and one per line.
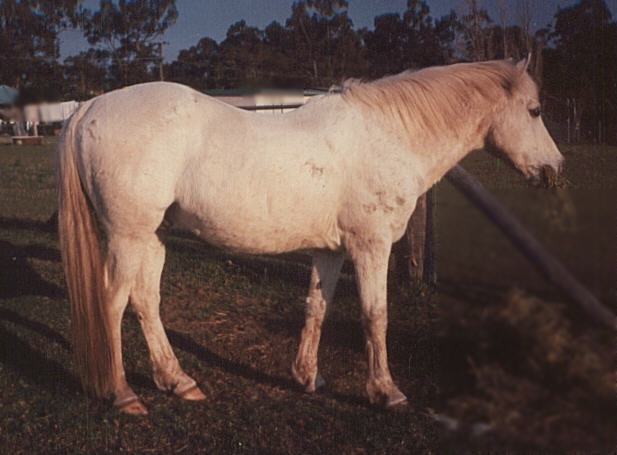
(55,112)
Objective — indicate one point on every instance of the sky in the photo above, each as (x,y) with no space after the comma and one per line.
(199,18)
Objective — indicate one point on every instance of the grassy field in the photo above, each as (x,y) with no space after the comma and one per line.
(492,360)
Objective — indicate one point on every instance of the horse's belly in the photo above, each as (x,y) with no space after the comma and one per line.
(246,232)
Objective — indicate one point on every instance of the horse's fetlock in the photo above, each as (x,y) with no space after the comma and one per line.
(383,392)
(305,373)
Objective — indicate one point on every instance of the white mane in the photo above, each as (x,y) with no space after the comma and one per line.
(434,99)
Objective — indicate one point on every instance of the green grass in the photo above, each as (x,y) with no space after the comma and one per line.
(475,349)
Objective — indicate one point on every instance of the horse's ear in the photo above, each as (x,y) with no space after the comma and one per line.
(524,64)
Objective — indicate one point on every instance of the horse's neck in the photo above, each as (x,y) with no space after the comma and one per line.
(433,154)
(440,153)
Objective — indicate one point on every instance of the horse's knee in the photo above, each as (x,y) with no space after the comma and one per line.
(374,316)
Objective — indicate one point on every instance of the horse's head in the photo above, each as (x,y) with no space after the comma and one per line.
(517,132)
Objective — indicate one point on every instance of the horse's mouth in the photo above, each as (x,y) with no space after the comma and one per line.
(549,177)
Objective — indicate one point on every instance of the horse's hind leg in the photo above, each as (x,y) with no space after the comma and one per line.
(370,259)
(145,299)
(123,261)
(325,273)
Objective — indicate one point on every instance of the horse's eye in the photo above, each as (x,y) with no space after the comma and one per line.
(534,112)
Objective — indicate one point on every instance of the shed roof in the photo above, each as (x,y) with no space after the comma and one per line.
(268,91)
(8,95)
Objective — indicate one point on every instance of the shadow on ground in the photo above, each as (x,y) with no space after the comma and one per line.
(19,223)
(18,278)
(28,361)
(187,344)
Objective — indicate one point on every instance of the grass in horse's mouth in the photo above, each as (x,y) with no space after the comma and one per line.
(551,179)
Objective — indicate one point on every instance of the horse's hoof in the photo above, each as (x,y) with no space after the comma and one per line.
(193,394)
(397,402)
(319,382)
(401,406)
(134,408)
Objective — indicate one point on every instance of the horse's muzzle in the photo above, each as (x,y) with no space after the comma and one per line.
(552,177)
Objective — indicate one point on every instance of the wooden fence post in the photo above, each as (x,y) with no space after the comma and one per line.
(430,266)
(414,253)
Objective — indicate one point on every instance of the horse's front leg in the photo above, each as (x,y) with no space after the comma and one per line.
(370,257)
(325,273)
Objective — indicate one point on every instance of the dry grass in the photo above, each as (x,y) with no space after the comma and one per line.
(533,375)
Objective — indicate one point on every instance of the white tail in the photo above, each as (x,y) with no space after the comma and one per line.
(83,260)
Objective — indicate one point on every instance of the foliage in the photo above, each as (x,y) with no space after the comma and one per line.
(85,73)
(197,66)
(29,46)
(414,40)
(326,47)
(242,51)
(318,46)
(128,30)
(476,32)
(584,66)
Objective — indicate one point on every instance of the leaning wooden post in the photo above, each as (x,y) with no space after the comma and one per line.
(530,247)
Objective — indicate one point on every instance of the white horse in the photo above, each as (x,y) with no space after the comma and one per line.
(339,177)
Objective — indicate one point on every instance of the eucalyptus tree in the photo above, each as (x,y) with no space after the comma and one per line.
(411,40)
(581,66)
(131,32)
(197,66)
(29,46)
